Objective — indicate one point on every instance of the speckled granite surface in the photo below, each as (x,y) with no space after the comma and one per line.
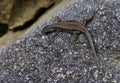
(36,58)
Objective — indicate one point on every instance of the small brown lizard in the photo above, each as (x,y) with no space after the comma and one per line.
(72,26)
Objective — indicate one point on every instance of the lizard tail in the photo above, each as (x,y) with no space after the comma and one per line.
(92,46)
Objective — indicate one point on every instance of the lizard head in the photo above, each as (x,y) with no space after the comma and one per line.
(47,30)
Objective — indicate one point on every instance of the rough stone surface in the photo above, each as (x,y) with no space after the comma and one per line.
(37,58)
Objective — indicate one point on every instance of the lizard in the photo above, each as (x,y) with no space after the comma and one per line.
(76,28)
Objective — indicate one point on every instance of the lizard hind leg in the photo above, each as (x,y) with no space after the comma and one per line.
(75,37)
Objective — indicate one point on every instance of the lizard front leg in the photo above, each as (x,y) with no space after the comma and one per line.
(75,36)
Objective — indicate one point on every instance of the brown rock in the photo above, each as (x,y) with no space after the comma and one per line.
(5,10)
(17,12)
(24,10)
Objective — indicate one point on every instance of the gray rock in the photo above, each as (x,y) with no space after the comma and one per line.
(36,58)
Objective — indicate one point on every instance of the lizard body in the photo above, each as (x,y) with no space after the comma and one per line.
(72,26)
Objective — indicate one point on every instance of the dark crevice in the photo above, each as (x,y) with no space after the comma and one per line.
(3,29)
(27,24)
